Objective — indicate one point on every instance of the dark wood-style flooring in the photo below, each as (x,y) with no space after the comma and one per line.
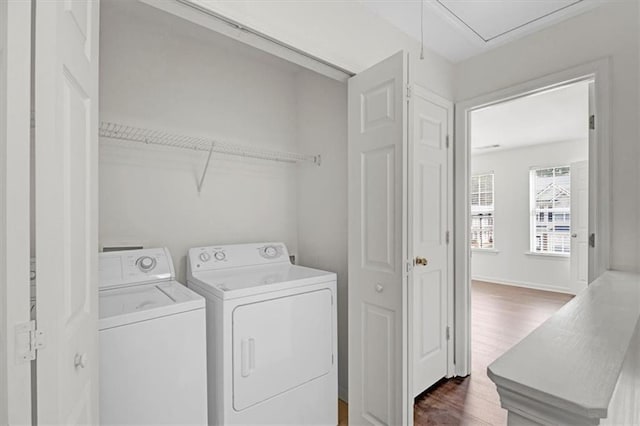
(501,316)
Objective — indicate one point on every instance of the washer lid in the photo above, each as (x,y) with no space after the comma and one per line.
(126,305)
(240,282)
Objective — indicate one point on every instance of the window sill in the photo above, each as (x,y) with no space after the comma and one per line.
(550,255)
(482,250)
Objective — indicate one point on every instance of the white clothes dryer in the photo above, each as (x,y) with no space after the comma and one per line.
(152,342)
(271,335)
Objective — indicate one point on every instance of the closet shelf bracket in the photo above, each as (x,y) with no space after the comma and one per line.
(206,167)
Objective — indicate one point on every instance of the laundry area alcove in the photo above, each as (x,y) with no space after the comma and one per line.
(163,75)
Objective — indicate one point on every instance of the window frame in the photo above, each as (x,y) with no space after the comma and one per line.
(533,213)
(490,211)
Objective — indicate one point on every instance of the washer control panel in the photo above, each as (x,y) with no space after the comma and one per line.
(121,268)
(237,255)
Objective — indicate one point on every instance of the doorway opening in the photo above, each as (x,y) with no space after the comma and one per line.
(529,221)
(527,229)
(599,184)
(529,194)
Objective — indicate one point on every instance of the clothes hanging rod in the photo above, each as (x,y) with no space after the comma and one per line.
(237,25)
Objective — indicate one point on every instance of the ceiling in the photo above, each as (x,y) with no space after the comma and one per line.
(557,115)
(460,29)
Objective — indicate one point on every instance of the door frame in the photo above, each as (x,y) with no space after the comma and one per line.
(15,117)
(599,185)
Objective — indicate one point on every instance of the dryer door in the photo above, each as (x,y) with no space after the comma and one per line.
(279,344)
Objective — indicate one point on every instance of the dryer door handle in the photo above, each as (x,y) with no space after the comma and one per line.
(248,361)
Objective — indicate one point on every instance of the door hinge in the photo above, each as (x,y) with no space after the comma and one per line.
(408,91)
(408,266)
(592,240)
(448,333)
(592,122)
(447,237)
(28,340)
(447,141)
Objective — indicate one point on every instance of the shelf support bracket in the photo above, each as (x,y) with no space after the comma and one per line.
(206,167)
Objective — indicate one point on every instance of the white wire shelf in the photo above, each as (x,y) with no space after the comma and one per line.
(158,137)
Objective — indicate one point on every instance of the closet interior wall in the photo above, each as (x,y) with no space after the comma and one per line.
(160,72)
(322,191)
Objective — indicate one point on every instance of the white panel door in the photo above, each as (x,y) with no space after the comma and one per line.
(430,294)
(15,110)
(579,225)
(66,150)
(378,375)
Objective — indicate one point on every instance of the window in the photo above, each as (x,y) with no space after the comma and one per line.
(551,210)
(482,220)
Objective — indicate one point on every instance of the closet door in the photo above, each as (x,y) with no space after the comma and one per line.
(378,375)
(15,109)
(431,284)
(66,148)
(579,260)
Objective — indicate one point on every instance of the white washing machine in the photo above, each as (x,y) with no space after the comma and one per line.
(152,342)
(271,336)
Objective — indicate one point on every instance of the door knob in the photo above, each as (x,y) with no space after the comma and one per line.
(80,361)
(574,235)
(421,261)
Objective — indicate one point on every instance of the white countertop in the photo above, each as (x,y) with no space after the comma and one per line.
(573,360)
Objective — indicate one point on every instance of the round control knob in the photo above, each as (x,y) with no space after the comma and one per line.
(270,251)
(146,263)
(204,256)
(219,255)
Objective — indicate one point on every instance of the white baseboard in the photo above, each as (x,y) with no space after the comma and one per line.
(535,286)
(343,394)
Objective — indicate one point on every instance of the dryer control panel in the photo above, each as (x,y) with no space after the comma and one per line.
(128,267)
(237,255)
